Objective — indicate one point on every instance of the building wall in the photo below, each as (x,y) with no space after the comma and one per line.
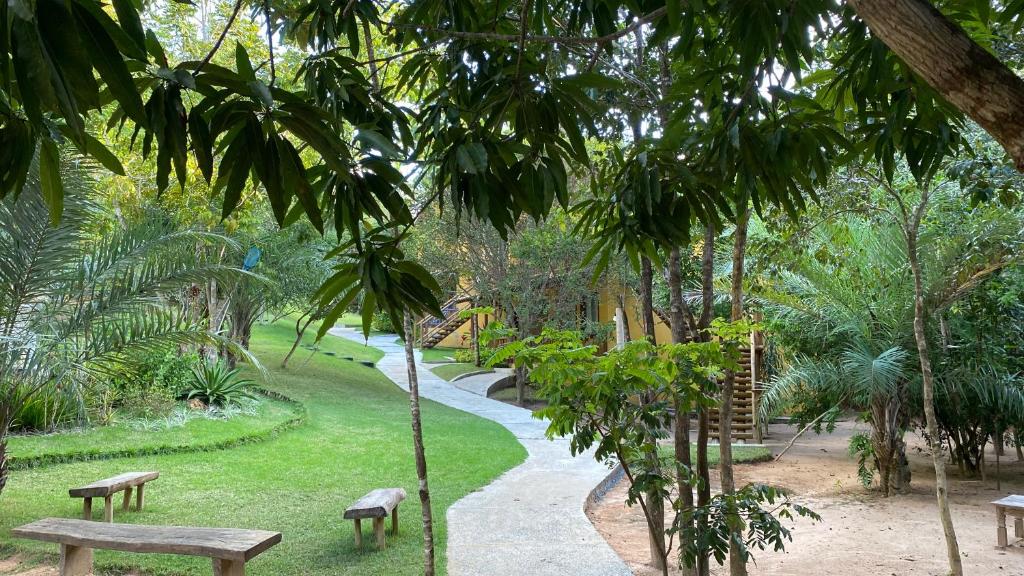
(607,301)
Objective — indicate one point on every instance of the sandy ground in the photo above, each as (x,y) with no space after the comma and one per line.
(861,533)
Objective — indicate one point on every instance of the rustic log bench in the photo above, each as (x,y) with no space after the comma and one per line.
(1013,506)
(377,505)
(229,548)
(107,488)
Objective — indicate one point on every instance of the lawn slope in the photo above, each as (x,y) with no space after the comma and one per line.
(356,437)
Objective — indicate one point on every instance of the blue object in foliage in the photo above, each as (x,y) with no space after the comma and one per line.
(252,258)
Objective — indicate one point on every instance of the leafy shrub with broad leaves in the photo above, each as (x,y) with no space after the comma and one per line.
(150,382)
(464,355)
(217,385)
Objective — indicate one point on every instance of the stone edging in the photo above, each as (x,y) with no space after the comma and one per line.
(605,486)
(473,373)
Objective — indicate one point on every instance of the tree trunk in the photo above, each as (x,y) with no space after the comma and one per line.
(703,421)
(964,73)
(678,312)
(927,381)
(655,504)
(421,459)
(520,385)
(647,298)
(4,470)
(737,564)
(475,329)
(299,332)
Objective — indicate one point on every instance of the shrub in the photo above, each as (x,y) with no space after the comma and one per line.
(217,385)
(464,355)
(45,411)
(148,384)
(381,322)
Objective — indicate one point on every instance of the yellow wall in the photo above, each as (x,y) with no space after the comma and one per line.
(606,304)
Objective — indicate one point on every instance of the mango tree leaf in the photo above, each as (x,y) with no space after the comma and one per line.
(49,179)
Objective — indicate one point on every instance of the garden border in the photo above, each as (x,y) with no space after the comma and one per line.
(299,417)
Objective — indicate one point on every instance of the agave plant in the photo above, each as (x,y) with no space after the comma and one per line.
(81,298)
(218,385)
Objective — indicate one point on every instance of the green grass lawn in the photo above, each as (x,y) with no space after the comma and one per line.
(120,439)
(355,438)
(453,369)
(438,354)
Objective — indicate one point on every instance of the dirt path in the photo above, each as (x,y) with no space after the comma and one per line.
(861,533)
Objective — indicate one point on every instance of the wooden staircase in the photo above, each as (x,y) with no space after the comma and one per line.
(746,397)
(433,330)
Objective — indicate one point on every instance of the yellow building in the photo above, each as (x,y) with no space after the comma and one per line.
(455,330)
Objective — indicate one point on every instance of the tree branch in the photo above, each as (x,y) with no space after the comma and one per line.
(545,39)
(220,39)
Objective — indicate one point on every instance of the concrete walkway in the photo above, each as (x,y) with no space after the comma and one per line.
(480,384)
(530,521)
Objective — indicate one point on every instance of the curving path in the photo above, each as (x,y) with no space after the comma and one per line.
(530,521)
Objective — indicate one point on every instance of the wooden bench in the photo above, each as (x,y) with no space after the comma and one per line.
(107,488)
(229,548)
(1012,506)
(377,505)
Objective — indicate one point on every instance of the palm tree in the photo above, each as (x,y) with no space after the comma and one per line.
(852,307)
(81,298)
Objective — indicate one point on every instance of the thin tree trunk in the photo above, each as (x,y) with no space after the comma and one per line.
(299,332)
(703,420)
(964,73)
(912,229)
(475,328)
(421,459)
(4,470)
(655,503)
(678,312)
(737,564)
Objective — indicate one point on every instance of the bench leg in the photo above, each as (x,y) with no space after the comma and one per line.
(87,508)
(108,508)
(127,503)
(75,560)
(359,533)
(394,521)
(140,498)
(1018,527)
(378,531)
(223,567)
(1001,540)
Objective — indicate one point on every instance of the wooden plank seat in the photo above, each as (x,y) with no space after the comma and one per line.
(1010,506)
(107,488)
(229,548)
(377,505)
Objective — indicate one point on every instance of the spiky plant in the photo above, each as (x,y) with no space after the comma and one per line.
(216,384)
(848,306)
(80,298)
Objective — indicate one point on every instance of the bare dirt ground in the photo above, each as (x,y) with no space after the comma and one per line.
(861,532)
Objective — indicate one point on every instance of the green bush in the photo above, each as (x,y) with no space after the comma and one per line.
(465,355)
(148,384)
(217,385)
(381,322)
(45,411)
